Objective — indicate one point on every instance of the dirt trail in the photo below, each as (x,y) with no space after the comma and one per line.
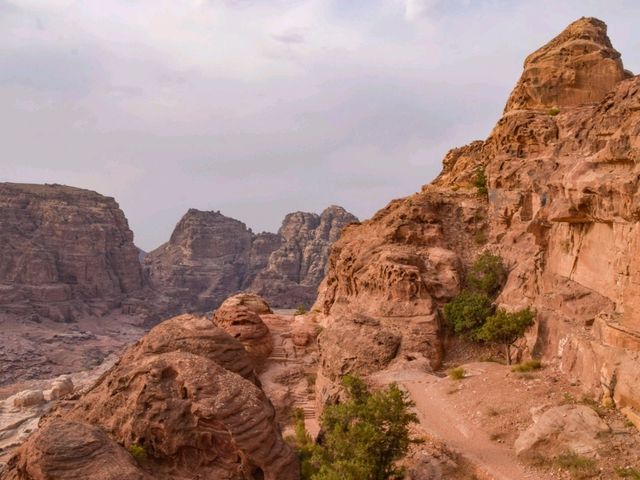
(444,416)
(497,461)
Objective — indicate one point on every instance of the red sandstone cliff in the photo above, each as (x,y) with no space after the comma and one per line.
(211,256)
(63,251)
(562,168)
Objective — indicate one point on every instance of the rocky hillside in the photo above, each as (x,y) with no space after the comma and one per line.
(63,252)
(561,208)
(71,285)
(295,269)
(210,256)
(184,402)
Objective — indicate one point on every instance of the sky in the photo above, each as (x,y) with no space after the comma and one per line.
(258,108)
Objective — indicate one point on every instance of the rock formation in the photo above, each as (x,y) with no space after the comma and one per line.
(578,66)
(573,429)
(63,252)
(71,284)
(183,402)
(562,168)
(210,256)
(206,258)
(238,316)
(294,271)
(357,344)
(73,451)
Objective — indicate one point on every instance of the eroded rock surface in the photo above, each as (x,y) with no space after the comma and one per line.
(64,252)
(71,285)
(73,451)
(239,318)
(294,271)
(206,258)
(210,257)
(578,66)
(357,344)
(560,430)
(199,336)
(179,396)
(561,209)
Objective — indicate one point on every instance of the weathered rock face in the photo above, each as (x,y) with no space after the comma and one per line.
(63,251)
(182,395)
(199,336)
(566,429)
(210,256)
(578,66)
(239,316)
(294,271)
(562,210)
(358,344)
(206,258)
(73,451)
(401,266)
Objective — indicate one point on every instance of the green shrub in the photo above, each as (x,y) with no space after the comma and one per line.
(301,310)
(480,237)
(480,181)
(302,443)
(628,472)
(311,381)
(137,451)
(456,373)
(578,467)
(505,328)
(600,409)
(487,274)
(467,312)
(529,366)
(363,437)
(553,111)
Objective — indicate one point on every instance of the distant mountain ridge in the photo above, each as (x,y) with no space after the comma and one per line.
(210,256)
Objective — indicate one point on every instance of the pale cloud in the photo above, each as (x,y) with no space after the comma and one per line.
(416,9)
(257,108)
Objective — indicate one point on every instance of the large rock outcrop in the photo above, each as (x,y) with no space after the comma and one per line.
(71,284)
(73,451)
(561,209)
(578,66)
(294,271)
(565,429)
(64,252)
(239,316)
(206,258)
(183,400)
(210,257)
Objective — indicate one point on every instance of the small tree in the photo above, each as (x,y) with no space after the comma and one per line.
(506,328)
(363,437)
(303,444)
(467,312)
(480,181)
(487,274)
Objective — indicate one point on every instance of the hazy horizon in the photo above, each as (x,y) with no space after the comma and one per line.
(258,109)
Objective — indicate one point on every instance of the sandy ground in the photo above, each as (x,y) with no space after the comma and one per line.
(481,415)
(32,351)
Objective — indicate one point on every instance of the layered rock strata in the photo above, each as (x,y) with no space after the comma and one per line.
(239,316)
(210,257)
(562,169)
(294,271)
(183,401)
(64,252)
